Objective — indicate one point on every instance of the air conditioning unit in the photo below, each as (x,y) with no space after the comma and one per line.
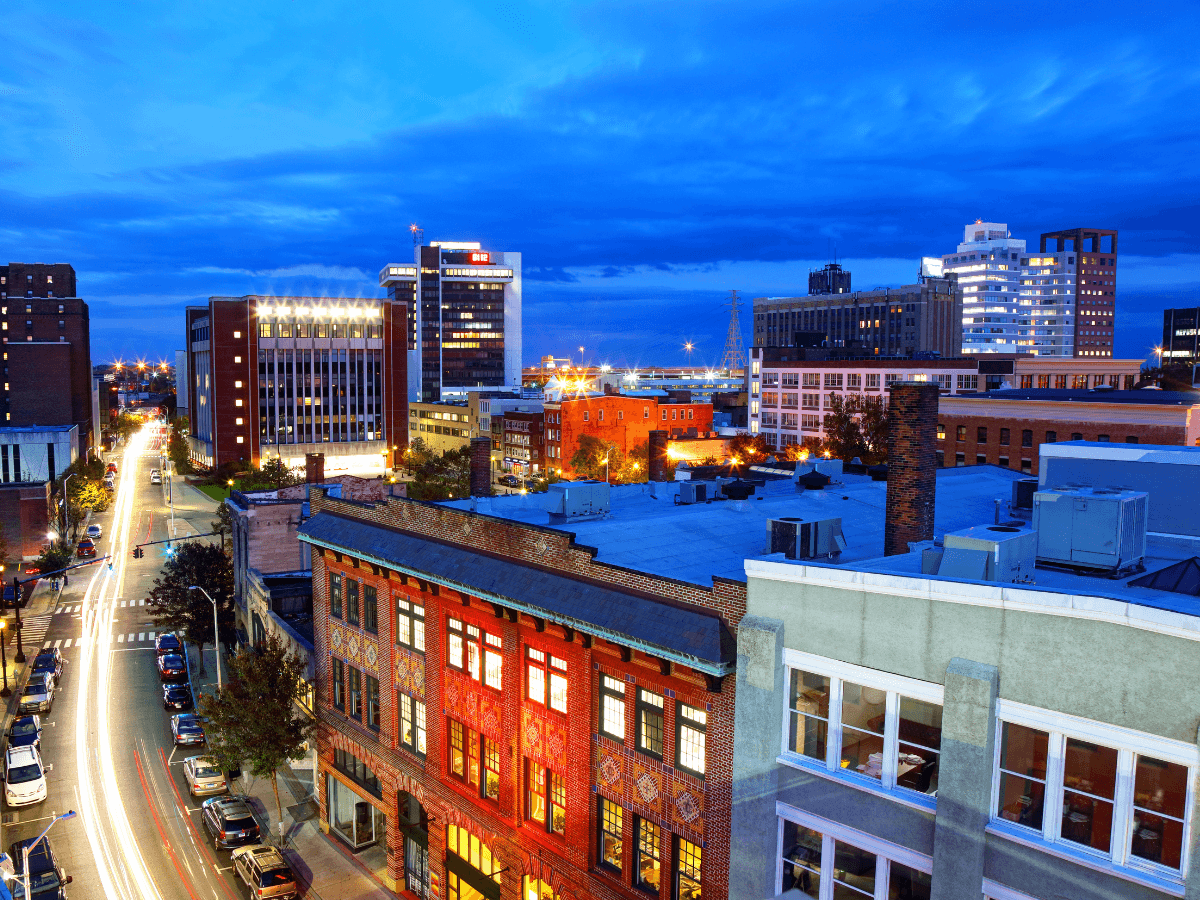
(692,492)
(796,538)
(568,500)
(1004,553)
(1022,493)
(1091,528)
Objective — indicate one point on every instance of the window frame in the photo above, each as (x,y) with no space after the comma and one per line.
(660,709)
(336,587)
(353,610)
(412,711)
(553,786)
(657,833)
(354,693)
(1130,745)
(551,668)
(603,829)
(370,609)
(372,704)
(337,677)
(678,871)
(701,728)
(896,687)
(609,692)
(414,615)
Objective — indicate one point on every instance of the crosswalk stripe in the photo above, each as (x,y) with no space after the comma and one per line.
(120,638)
(142,636)
(57,644)
(149,635)
(67,643)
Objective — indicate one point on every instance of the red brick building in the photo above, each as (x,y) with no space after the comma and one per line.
(619,419)
(289,376)
(508,718)
(524,441)
(1008,428)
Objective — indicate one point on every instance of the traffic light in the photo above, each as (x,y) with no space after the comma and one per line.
(138,552)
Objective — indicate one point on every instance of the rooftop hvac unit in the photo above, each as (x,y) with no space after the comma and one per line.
(830,467)
(1091,528)
(1022,493)
(798,539)
(692,492)
(1003,553)
(578,499)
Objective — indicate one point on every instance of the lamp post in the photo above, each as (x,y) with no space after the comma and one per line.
(4,662)
(229,484)
(216,633)
(67,504)
(28,848)
(606,456)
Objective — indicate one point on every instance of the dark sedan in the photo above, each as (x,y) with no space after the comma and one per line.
(49,660)
(167,643)
(171,667)
(187,729)
(177,696)
(25,731)
(47,881)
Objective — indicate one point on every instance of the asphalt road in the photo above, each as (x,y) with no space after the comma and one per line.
(107,740)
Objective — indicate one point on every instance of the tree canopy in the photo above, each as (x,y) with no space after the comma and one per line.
(253,720)
(437,477)
(189,612)
(748,450)
(856,426)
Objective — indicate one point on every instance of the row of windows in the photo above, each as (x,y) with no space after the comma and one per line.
(981,436)
(645,866)
(320,330)
(355,693)
(347,607)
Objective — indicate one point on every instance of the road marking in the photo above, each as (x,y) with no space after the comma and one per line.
(120,638)
(142,636)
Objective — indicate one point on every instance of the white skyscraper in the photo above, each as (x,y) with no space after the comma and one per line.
(988,265)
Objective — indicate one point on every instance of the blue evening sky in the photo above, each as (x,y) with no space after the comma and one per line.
(645,157)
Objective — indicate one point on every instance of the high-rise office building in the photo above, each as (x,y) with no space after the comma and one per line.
(464,328)
(1057,302)
(832,279)
(1181,337)
(288,376)
(47,349)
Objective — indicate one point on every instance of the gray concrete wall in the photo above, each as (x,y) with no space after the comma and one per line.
(1099,670)
(1173,489)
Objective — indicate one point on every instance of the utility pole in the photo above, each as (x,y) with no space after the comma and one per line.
(735,347)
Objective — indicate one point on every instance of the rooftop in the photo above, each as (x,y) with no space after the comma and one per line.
(1145,396)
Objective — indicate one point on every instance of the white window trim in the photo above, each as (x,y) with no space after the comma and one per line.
(993,890)
(1119,861)
(885,851)
(893,685)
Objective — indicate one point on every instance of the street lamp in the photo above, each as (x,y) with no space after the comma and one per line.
(4,662)
(229,484)
(28,848)
(606,456)
(216,633)
(67,504)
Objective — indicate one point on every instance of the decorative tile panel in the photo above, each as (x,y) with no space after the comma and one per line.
(410,673)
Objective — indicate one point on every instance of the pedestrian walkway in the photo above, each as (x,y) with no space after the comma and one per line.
(78,607)
(33,629)
(131,639)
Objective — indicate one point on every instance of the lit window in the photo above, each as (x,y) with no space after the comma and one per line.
(647,866)
(687,870)
(612,707)
(493,661)
(535,889)
(237,334)
(546,798)
(237,384)
(410,624)
(241,440)
(237,359)
(691,724)
(650,722)
(464,753)
(238,402)
(474,852)
(463,647)
(412,723)
(610,840)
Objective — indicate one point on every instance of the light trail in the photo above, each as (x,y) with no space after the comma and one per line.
(106,823)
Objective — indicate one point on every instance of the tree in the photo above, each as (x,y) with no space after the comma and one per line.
(636,466)
(253,718)
(125,424)
(4,548)
(439,477)
(590,458)
(843,436)
(177,448)
(747,450)
(276,474)
(223,524)
(56,555)
(176,608)
(873,425)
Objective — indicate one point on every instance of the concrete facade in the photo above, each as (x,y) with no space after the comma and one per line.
(25,516)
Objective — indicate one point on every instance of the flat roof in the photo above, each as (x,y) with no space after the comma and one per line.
(1146,397)
(34,429)
(696,543)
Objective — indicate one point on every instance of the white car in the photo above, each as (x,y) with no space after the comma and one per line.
(203,776)
(155,477)
(95,532)
(24,776)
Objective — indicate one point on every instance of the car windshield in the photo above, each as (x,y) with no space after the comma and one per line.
(178,690)
(22,774)
(20,729)
(207,770)
(43,664)
(35,687)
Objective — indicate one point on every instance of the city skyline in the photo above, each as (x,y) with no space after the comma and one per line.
(644,165)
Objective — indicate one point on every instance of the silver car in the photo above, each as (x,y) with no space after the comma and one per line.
(203,776)
(38,695)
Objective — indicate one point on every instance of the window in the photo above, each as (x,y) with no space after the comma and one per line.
(372,702)
(335,596)
(812,860)
(1102,438)
(354,710)
(960,433)
(462,647)
(1004,437)
(464,753)
(474,852)
(337,677)
(1076,436)
(1051,437)
(941,432)
(533,889)
(650,722)
(357,770)
(351,601)
(873,381)
(1131,439)
(981,435)
(609,821)
(980,459)
(546,798)
(968,382)
(1027,466)
(370,610)
(491,769)
(690,726)
(1026,438)
(540,674)
(1127,804)
(493,661)
(612,707)
(848,727)
(687,870)
(264,329)
(647,867)
(410,624)
(412,723)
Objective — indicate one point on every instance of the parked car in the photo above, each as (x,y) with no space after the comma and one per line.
(203,776)
(24,776)
(171,667)
(264,872)
(47,881)
(49,660)
(85,548)
(186,729)
(167,643)
(38,695)
(177,696)
(509,480)
(229,822)
(95,532)
(25,731)
(110,481)
(111,467)
(155,476)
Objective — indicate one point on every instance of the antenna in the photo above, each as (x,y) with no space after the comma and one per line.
(418,234)
(735,347)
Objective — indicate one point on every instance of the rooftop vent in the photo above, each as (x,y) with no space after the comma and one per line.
(1022,493)
(1085,528)
(813,481)
(692,492)
(1003,553)
(796,538)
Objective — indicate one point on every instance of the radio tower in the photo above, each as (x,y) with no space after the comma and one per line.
(735,348)
(418,234)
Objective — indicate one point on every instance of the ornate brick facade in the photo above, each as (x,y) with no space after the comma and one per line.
(525,733)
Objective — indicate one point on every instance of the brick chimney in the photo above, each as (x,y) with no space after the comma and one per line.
(659,464)
(314,468)
(481,467)
(912,464)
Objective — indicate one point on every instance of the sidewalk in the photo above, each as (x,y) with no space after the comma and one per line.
(325,868)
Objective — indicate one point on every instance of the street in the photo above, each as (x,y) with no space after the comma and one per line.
(107,741)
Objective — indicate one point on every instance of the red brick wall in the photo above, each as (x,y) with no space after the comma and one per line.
(569,744)
(993,450)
